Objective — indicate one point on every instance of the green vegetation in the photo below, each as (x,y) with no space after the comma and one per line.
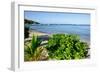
(26,26)
(26,21)
(26,32)
(30,48)
(33,51)
(59,47)
(62,46)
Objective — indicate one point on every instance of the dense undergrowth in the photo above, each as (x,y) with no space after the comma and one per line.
(59,47)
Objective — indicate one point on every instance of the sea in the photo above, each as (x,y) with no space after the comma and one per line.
(83,30)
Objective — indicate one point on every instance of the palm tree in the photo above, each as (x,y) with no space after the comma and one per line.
(30,49)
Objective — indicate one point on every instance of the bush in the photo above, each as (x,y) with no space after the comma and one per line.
(26,32)
(63,46)
(31,48)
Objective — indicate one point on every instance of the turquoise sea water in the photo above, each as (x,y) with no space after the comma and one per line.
(82,30)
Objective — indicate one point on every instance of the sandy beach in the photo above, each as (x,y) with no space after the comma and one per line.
(44,36)
(41,35)
(36,33)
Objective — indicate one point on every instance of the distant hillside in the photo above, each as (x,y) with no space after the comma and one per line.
(26,21)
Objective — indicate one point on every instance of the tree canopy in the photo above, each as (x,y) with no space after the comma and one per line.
(26,21)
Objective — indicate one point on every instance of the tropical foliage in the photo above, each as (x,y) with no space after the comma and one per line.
(59,47)
(26,26)
(30,48)
(26,32)
(26,21)
(62,46)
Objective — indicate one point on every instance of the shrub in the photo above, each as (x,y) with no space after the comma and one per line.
(26,32)
(63,46)
(33,51)
(31,48)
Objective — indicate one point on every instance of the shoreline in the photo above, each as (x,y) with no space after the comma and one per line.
(42,34)
(37,33)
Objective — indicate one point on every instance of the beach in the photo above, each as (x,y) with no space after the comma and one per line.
(82,30)
(36,33)
(43,36)
(56,36)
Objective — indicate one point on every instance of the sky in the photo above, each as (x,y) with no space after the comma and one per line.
(57,17)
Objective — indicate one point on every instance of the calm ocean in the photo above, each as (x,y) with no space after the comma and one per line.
(82,30)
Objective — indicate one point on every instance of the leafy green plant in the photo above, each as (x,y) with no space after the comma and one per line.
(33,51)
(31,48)
(66,46)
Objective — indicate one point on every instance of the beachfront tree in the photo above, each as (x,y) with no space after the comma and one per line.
(27,23)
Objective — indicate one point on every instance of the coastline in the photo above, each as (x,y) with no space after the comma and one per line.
(45,35)
(37,33)
(42,35)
